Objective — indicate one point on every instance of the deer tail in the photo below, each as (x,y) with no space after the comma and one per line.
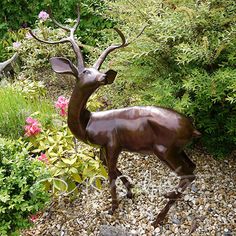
(196,134)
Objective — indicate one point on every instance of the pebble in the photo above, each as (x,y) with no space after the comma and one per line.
(176,221)
(208,206)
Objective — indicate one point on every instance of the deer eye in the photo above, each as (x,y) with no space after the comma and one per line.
(86,72)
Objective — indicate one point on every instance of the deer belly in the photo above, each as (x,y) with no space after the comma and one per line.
(136,137)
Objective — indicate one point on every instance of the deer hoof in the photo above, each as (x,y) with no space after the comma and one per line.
(159,221)
(113,208)
(111,211)
(172,195)
(130,195)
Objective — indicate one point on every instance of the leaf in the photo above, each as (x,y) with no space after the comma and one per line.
(103,171)
(4,197)
(59,172)
(72,187)
(36,151)
(98,183)
(76,177)
(60,164)
(69,161)
(73,170)
(51,140)
(60,185)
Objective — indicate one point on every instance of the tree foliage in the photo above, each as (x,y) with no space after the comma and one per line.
(185,60)
(22,14)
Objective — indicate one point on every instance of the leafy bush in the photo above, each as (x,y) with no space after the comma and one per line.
(20,194)
(14,16)
(16,105)
(184,60)
(69,163)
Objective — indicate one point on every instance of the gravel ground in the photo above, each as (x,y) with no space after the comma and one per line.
(207,208)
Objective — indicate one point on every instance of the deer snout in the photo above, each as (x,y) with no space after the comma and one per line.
(102,79)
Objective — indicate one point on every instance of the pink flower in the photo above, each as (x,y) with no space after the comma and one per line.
(30,120)
(43,158)
(28,36)
(16,45)
(43,16)
(62,104)
(32,128)
(35,217)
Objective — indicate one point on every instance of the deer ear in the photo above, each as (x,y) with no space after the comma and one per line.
(63,66)
(110,76)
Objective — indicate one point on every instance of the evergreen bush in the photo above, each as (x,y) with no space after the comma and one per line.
(21,194)
(185,60)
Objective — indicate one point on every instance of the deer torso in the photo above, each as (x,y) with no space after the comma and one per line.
(138,128)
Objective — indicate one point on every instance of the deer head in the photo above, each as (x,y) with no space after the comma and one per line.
(86,77)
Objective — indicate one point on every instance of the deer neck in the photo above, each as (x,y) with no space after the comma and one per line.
(78,115)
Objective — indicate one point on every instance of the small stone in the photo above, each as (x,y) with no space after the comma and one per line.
(133,232)
(108,230)
(176,221)
(227,232)
(157,230)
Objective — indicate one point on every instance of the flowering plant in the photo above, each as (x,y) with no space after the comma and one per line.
(43,16)
(43,158)
(62,104)
(16,45)
(32,128)
(68,162)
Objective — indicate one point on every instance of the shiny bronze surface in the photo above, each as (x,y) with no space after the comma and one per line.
(145,129)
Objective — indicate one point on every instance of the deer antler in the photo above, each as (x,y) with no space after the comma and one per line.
(111,48)
(70,39)
(7,62)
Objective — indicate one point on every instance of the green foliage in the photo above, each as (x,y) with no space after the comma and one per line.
(14,16)
(35,55)
(69,164)
(16,105)
(21,194)
(185,60)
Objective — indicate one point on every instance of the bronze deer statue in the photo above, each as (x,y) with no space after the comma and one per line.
(144,129)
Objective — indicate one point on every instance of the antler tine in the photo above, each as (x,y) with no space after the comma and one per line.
(78,19)
(48,42)
(71,39)
(111,48)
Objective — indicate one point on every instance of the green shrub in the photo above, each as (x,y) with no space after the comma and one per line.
(185,60)
(14,16)
(15,106)
(69,164)
(20,194)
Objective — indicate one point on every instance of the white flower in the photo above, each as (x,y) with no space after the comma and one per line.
(16,45)
(43,15)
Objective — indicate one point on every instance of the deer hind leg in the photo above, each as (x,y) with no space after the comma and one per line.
(178,162)
(124,180)
(184,180)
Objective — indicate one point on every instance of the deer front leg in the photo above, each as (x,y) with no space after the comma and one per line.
(111,157)
(127,184)
(124,180)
